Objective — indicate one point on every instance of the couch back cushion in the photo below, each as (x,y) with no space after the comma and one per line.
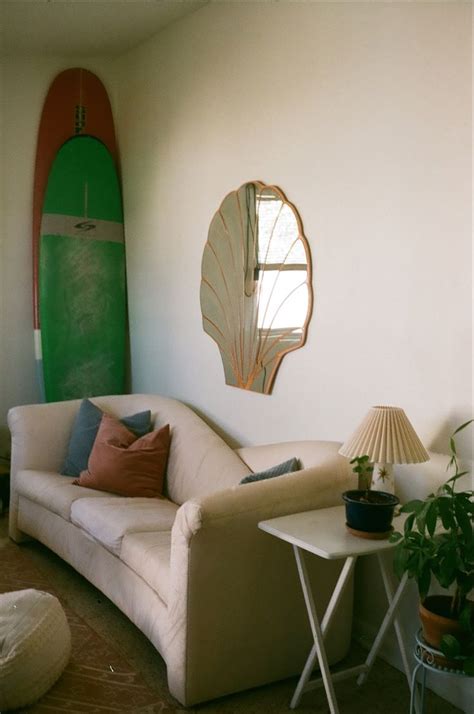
(199,461)
(308,453)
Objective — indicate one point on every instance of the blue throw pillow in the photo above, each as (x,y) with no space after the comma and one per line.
(285,467)
(84,431)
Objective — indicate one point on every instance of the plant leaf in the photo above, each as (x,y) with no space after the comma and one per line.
(444,507)
(414,506)
(409,522)
(466,617)
(469,666)
(421,516)
(395,537)
(424,581)
(432,517)
(450,646)
(446,568)
(464,521)
(448,489)
(463,426)
(400,561)
(456,476)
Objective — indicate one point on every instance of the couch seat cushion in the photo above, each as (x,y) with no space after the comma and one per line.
(110,518)
(54,492)
(148,554)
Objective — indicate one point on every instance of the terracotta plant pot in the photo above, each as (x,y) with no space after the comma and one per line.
(436,621)
(369,511)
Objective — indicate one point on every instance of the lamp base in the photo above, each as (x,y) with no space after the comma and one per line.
(382,478)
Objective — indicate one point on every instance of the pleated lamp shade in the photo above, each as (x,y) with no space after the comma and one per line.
(387,437)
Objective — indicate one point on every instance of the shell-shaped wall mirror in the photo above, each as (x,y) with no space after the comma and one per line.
(256,295)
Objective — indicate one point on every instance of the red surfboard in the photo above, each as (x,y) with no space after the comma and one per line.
(76,104)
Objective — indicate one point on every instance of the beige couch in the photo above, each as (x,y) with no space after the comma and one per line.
(217,597)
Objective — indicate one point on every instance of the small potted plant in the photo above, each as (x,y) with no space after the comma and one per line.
(368,513)
(438,543)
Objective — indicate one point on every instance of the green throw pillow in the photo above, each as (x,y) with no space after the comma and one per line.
(84,431)
(285,467)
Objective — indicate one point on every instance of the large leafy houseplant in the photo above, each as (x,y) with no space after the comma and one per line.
(438,543)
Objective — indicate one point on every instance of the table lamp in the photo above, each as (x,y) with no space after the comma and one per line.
(388,438)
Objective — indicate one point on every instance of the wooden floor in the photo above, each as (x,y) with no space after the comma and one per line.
(385,692)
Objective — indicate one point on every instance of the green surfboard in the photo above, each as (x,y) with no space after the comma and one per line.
(82,303)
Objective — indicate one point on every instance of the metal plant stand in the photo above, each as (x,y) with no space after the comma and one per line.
(428,659)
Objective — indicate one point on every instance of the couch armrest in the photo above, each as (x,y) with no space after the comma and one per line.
(40,435)
(314,487)
(235,599)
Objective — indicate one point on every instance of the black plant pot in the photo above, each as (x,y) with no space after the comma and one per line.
(370,512)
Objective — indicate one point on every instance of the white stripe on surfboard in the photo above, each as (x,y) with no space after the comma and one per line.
(79,227)
(38,348)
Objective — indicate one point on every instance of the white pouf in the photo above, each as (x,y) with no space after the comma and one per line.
(35,646)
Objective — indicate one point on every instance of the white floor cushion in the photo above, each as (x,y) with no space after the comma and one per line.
(35,646)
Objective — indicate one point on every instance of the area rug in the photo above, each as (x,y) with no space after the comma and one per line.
(97,680)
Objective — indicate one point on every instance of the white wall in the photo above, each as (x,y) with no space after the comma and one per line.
(361,113)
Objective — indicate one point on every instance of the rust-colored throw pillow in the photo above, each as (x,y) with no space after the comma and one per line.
(124,464)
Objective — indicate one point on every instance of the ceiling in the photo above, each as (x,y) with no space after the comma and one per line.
(84,27)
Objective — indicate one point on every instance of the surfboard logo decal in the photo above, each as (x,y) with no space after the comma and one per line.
(56,224)
(85,226)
